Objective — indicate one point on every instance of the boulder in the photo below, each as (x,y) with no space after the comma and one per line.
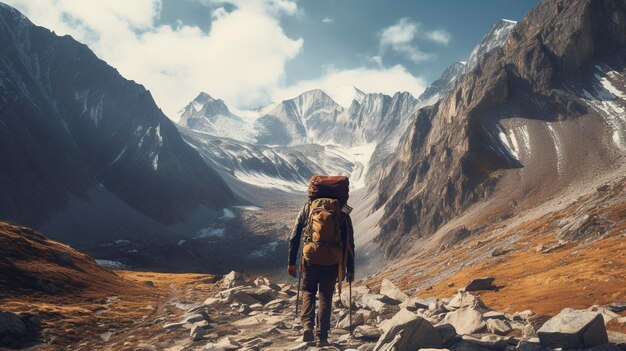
(574,329)
(376,302)
(606,313)
(498,326)
(533,324)
(265,282)
(415,303)
(467,346)
(464,299)
(402,316)
(409,335)
(10,323)
(447,333)
(357,319)
(389,289)
(465,320)
(526,345)
(617,307)
(234,279)
(367,332)
(489,342)
(480,284)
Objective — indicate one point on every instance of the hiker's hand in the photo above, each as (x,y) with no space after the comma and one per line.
(350,276)
(292,269)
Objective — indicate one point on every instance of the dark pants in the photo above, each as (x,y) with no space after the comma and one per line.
(316,278)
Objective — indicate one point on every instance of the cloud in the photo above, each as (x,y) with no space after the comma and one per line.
(241,59)
(380,80)
(328,20)
(401,36)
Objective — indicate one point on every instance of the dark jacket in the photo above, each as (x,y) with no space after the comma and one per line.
(347,237)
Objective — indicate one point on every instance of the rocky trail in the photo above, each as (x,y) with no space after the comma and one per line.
(239,313)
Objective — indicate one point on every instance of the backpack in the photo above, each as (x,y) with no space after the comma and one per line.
(322,233)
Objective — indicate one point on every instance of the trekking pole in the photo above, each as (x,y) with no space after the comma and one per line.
(350,303)
(299,280)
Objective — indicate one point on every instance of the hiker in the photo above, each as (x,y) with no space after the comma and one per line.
(327,252)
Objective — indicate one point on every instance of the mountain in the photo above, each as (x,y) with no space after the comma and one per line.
(534,119)
(328,131)
(494,38)
(79,142)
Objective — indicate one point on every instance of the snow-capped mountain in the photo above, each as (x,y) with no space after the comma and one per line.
(494,38)
(86,153)
(332,131)
(542,116)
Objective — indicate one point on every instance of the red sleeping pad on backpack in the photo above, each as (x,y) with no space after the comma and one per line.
(334,187)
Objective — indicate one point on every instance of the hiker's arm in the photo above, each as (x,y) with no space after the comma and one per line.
(294,241)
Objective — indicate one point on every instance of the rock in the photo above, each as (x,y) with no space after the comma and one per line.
(409,335)
(617,307)
(494,314)
(366,347)
(500,252)
(465,320)
(498,326)
(244,309)
(357,319)
(467,346)
(234,279)
(489,342)
(606,313)
(389,289)
(401,317)
(367,332)
(415,303)
(223,344)
(376,302)
(574,329)
(616,337)
(447,333)
(194,318)
(464,299)
(197,333)
(522,316)
(480,284)
(300,347)
(263,281)
(10,323)
(176,325)
(526,345)
(533,324)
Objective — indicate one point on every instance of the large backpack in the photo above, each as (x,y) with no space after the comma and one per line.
(322,233)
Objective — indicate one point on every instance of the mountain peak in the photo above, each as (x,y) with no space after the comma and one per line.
(204,98)
(344,95)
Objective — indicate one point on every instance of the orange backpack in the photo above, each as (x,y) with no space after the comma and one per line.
(322,234)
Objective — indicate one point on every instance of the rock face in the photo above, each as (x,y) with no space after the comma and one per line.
(573,329)
(72,129)
(458,150)
(480,284)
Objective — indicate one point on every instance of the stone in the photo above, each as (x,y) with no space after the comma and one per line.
(194,318)
(10,323)
(366,347)
(176,325)
(303,346)
(533,324)
(367,332)
(606,313)
(223,344)
(464,299)
(389,289)
(498,326)
(467,346)
(574,329)
(402,316)
(494,314)
(480,284)
(526,345)
(409,335)
(617,307)
(500,252)
(415,303)
(489,342)
(522,316)
(465,320)
(616,337)
(447,333)
(357,319)
(197,333)
(263,281)
(376,302)
(234,279)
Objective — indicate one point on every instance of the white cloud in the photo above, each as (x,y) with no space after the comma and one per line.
(242,59)
(328,20)
(438,36)
(401,36)
(381,80)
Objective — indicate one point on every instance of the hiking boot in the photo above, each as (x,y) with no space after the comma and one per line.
(307,335)
(322,343)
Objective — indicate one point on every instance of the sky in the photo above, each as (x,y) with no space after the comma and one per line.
(252,52)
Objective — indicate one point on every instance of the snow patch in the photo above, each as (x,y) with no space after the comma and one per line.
(180,242)
(344,96)
(265,181)
(265,250)
(227,214)
(210,232)
(118,156)
(111,264)
(557,147)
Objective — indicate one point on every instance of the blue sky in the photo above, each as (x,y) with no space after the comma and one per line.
(252,52)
